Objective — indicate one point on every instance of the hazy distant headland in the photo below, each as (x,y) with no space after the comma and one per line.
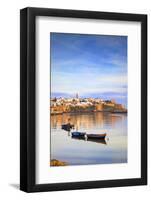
(81,105)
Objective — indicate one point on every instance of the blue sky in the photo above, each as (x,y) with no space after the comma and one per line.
(90,65)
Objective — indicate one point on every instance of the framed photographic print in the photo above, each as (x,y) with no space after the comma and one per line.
(83,99)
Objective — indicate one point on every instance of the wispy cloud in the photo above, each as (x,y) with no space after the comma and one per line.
(88,64)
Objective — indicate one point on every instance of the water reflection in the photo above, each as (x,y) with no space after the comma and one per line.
(88,121)
(100,141)
(78,151)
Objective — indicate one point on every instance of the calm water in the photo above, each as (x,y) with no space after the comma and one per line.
(82,152)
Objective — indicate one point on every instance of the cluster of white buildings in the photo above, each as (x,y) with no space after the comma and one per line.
(75,101)
(64,105)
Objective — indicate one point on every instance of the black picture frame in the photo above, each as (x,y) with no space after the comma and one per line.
(28,99)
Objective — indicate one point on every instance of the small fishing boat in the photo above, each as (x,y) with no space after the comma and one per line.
(96,136)
(78,134)
(67,127)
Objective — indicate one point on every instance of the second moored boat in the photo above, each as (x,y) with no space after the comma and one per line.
(88,136)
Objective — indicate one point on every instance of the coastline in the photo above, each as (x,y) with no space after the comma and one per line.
(86,112)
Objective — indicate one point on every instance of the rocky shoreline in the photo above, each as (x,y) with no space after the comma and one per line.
(55,162)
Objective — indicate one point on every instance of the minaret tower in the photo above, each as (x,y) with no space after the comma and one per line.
(77,96)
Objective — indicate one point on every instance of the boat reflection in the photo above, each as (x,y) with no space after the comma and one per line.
(100,141)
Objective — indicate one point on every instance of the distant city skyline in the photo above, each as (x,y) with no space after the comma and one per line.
(90,65)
